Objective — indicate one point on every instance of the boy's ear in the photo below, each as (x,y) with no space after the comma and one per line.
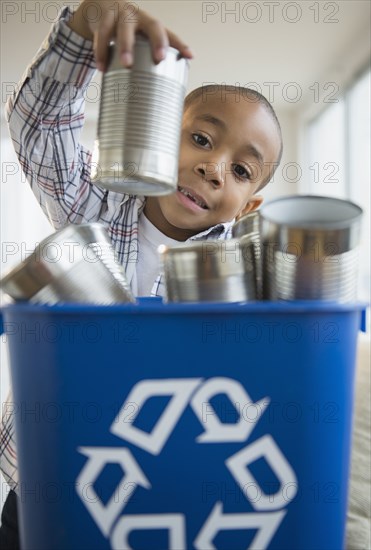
(252,205)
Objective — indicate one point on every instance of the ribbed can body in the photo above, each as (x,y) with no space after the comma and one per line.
(75,264)
(312,253)
(247,231)
(210,271)
(141,108)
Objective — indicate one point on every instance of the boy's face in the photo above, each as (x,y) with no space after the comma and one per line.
(227,151)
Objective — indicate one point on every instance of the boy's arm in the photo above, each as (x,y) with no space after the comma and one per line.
(46,112)
(45,116)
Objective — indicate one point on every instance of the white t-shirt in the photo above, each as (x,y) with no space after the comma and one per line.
(148,268)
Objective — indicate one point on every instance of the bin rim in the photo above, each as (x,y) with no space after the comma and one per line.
(156,305)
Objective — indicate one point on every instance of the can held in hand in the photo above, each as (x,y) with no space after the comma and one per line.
(310,248)
(139,128)
(77,264)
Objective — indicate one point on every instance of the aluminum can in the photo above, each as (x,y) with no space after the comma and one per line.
(247,226)
(76,264)
(310,248)
(139,127)
(210,271)
(247,229)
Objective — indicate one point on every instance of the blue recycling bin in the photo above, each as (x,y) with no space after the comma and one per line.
(181,426)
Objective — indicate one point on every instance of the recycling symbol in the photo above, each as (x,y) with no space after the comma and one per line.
(183,392)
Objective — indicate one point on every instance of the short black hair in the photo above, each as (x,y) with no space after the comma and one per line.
(249,94)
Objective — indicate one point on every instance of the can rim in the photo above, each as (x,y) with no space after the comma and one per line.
(308,225)
(142,40)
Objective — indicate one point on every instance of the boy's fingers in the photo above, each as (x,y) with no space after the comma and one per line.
(116,24)
(102,37)
(177,43)
(125,38)
(161,39)
(157,36)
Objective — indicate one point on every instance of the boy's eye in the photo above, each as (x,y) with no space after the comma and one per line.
(200,140)
(241,171)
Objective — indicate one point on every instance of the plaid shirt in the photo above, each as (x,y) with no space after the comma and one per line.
(45,116)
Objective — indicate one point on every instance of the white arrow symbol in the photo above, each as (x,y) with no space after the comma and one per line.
(174,523)
(220,431)
(264,447)
(180,390)
(266,523)
(106,515)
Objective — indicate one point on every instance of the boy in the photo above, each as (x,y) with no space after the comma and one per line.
(230,144)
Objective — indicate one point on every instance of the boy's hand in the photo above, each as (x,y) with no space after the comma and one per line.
(104,20)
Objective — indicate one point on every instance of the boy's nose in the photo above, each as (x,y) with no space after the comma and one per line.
(212,172)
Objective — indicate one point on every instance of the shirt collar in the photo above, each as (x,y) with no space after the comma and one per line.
(133,199)
(219,231)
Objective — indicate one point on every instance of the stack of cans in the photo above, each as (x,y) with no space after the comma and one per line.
(297,248)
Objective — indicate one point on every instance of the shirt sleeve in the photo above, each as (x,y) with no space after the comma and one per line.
(45,115)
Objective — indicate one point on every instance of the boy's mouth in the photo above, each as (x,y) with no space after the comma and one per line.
(194,197)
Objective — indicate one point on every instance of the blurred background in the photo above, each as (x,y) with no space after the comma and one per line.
(310,59)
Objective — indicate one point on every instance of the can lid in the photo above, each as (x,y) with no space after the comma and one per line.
(312,211)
